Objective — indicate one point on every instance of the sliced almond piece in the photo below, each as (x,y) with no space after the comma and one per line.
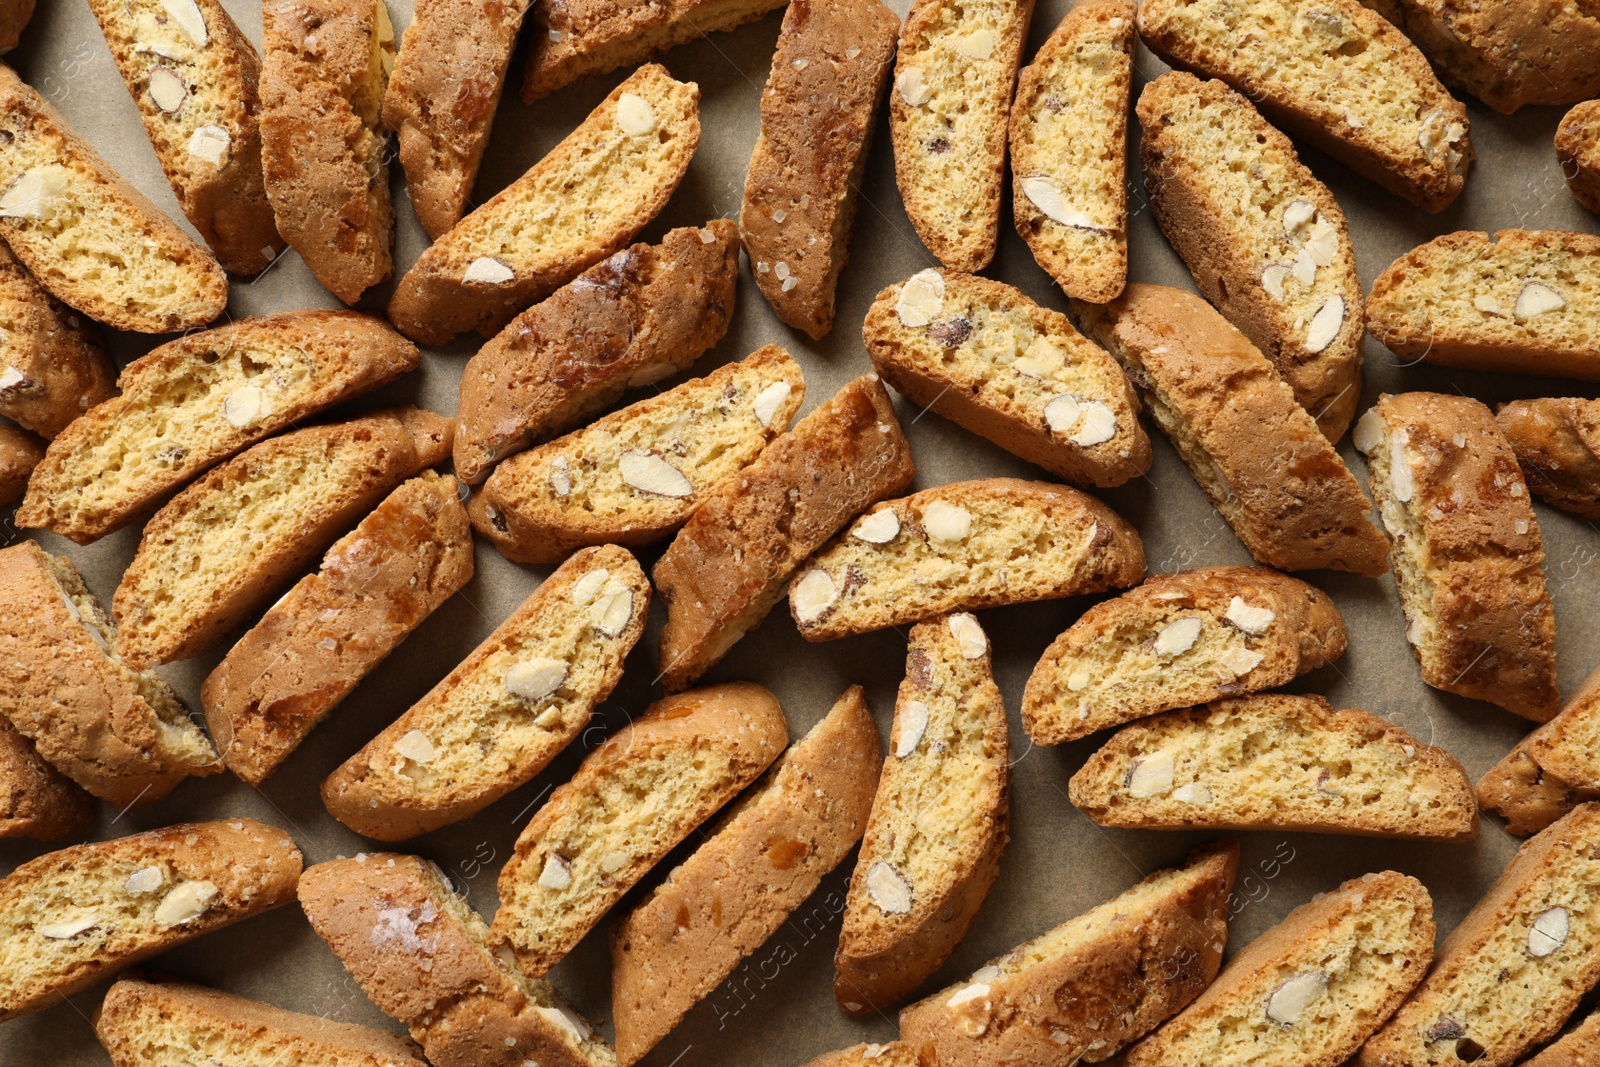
(921,298)
(814,594)
(1549,932)
(1325,324)
(556,873)
(613,610)
(878,528)
(1252,620)
(649,473)
(635,115)
(1178,636)
(210,143)
(415,746)
(67,929)
(888,888)
(969,636)
(167,90)
(489,271)
(243,406)
(1150,776)
(536,678)
(1288,1003)
(186,14)
(1537,298)
(768,401)
(913,724)
(913,87)
(946,522)
(185,903)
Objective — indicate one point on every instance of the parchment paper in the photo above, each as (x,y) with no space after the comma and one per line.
(778,1009)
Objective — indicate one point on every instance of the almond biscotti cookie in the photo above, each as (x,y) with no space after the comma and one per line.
(631,320)
(961,547)
(118,732)
(1145,955)
(987,358)
(142,1024)
(419,952)
(1578,150)
(576,39)
(766,857)
(14,16)
(939,823)
(225,544)
(1522,302)
(194,76)
(816,120)
(500,717)
(1176,641)
(1557,444)
(592,840)
(1259,456)
(586,199)
(953,79)
(55,366)
(1468,558)
(1552,770)
(1276,762)
(69,918)
(888,1054)
(89,237)
(1578,1047)
(20,454)
(36,800)
(333,628)
(1310,990)
(1333,73)
(1515,968)
(1264,239)
(1068,134)
(733,559)
(1504,52)
(194,402)
(442,98)
(638,474)
(323,149)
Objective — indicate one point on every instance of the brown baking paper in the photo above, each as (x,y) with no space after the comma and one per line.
(778,1009)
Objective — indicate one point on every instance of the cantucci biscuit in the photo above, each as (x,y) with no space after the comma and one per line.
(1515,968)
(1310,990)
(592,841)
(637,475)
(583,201)
(89,237)
(1578,151)
(69,918)
(575,39)
(1259,456)
(1468,558)
(1333,73)
(765,858)
(631,320)
(915,891)
(511,706)
(324,153)
(733,559)
(14,16)
(1033,1005)
(117,732)
(225,544)
(1557,444)
(20,454)
(36,800)
(194,76)
(442,98)
(1276,762)
(1552,770)
(816,119)
(333,628)
(953,79)
(1578,1047)
(54,366)
(193,402)
(1176,641)
(961,547)
(1505,53)
(888,1054)
(1264,239)
(418,951)
(144,1023)
(987,358)
(1068,133)
(1522,302)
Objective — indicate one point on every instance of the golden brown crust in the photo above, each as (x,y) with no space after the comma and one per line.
(843,457)
(1578,1047)
(142,1023)
(1257,454)
(696,750)
(36,800)
(376,585)
(55,366)
(218,538)
(634,318)
(1578,151)
(816,121)
(1468,559)
(889,1054)
(14,16)
(1552,770)
(251,868)
(442,99)
(1555,441)
(323,153)
(767,856)
(20,453)
(1093,984)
